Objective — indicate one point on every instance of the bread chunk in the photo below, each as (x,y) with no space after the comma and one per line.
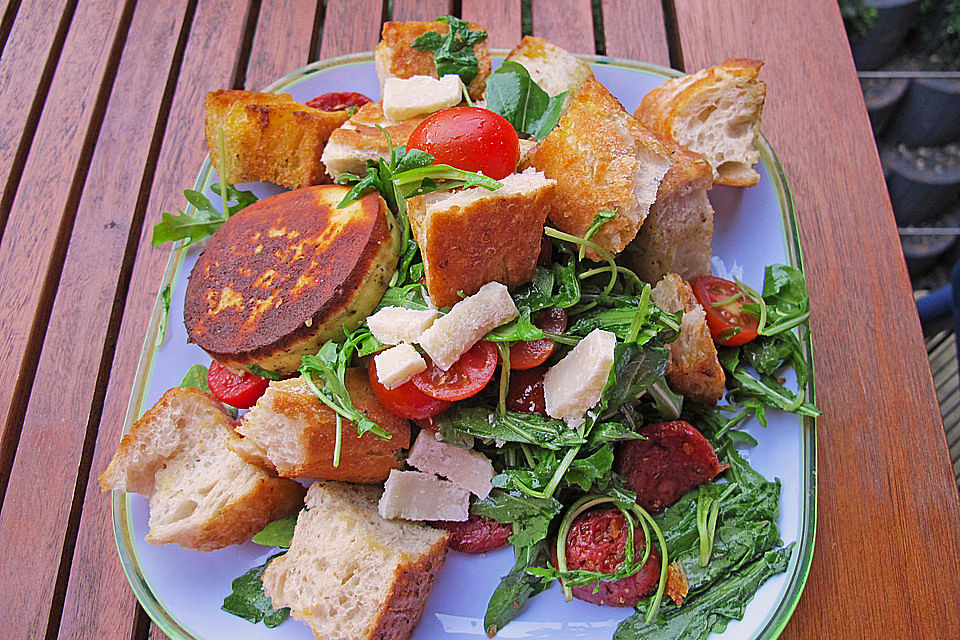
(715,112)
(291,431)
(268,137)
(360,139)
(202,495)
(395,56)
(602,160)
(676,236)
(474,236)
(350,574)
(693,369)
(554,69)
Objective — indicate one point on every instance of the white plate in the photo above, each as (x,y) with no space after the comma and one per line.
(183,590)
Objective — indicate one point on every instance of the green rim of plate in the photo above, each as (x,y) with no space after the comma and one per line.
(797,571)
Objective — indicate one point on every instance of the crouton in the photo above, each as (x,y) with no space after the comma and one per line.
(202,495)
(676,236)
(602,160)
(268,137)
(554,69)
(475,236)
(715,112)
(291,431)
(351,574)
(693,369)
(395,56)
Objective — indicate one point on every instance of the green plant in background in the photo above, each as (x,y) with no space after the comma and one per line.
(858,18)
(936,33)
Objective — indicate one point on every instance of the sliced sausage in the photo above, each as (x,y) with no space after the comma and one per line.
(476,535)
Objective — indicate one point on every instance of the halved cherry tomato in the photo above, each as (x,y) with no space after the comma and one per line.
(532,353)
(525,393)
(729,324)
(406,400)
(338,101)
(241,391)
(464,378)
(469,138)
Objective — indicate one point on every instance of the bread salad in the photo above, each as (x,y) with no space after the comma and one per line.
(482,315)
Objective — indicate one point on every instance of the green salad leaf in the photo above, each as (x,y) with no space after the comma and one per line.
(481,422)
(196,378)
(204,219)
(518,586)
(278,533)
(512,93)
(248,601)
(453,52)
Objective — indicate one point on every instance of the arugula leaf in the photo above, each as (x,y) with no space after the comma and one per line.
(206,218)
(248,601)
(196,378)
(278,533)
(511,427)
(584,472)
(164,315)
(512,506)
(518,586)
(604,432)
(453,52)
(598,221)
(634,370)
(758,392)
(514,95)
(257,370)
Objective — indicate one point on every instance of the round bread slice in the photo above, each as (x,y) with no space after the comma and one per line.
(288,273)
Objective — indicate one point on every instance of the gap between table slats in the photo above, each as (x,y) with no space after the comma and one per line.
(7,16)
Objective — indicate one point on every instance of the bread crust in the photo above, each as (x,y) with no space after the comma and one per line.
(268,137)
(290,406)
(394,55)
(408,598)
(603,159)
(665,109)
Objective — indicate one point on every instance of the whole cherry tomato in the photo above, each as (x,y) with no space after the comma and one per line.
(405,400)
(469,138)
(240,391)
(723,301)
(532,353)
(338,101)
(464,378)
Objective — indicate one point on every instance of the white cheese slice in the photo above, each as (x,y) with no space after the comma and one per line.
(393,325)
(452,335)
(573,385)
(464,467)
(412,495)
(404,98)
(398,364)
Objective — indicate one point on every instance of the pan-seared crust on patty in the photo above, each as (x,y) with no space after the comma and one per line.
(288,273)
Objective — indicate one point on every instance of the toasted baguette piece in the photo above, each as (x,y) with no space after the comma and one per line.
(676,236)
(394,55)
(602,160)
(269,137)
(554,69)
(202,495)
(294,433)
(715,112)
(351,574)
(693,369)
(360,139)
(475,236)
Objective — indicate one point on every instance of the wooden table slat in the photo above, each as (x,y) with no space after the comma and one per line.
(286,26)
(421,9)
(350,26)
(635,29)
(567,23)
(888,522)
(502,19)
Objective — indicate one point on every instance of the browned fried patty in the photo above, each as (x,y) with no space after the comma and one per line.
(288,273)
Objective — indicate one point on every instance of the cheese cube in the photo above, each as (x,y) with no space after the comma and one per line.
(393,325)
(573,385)
(405,98)
(464,467)
(412,495)
(398,364)
(469,320)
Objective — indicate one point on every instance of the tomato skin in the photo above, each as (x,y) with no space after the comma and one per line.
(241,391)
(533,353)
(525,393)
(338,101)
(406,400)
(469,138)
(466,377)
(711,289)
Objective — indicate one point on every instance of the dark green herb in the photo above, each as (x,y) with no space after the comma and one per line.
(634,370)
(248,601)
(204,220)
(598,221)
(196,378)
(518,586)
(278,533)
(453,52)
(512,427)
(257,370)
(514,95)
(164,315)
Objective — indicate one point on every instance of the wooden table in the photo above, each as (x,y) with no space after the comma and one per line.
(101,129)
